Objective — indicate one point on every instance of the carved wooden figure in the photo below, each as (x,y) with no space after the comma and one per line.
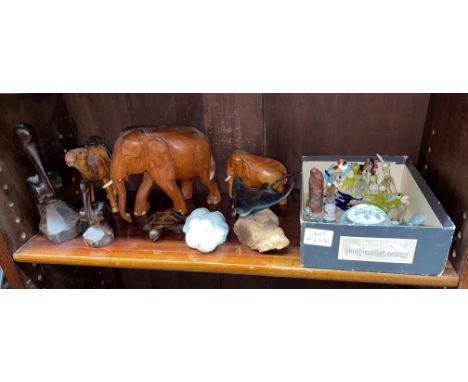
(99,232)
(164,154)
(93,163)
(59,222)
(255,170)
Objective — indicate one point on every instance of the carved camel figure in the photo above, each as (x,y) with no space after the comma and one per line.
(93,163)
(164,154)
(255,170)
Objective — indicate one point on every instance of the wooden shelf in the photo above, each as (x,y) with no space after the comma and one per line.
(132,249)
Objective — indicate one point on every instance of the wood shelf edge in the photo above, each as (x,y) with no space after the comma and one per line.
(449,278)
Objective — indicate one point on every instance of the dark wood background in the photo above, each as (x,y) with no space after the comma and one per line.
(443,161)
(283,126)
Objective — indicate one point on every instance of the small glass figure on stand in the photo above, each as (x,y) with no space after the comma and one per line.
(330,207)
(387,186)
(373,184)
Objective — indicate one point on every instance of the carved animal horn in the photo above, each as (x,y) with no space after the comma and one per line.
(108,184)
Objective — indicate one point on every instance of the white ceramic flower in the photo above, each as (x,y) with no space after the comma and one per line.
(205,230)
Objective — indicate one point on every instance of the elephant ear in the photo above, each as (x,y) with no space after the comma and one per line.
(159,154)
(132,148)
(238,163)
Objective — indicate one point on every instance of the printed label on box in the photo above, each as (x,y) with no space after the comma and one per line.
(321,237)
(380,250)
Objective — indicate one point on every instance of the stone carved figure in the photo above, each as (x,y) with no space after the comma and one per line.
(255,171)
(59,221)
(316,190)
(261,231)
(164,155)
(93,163)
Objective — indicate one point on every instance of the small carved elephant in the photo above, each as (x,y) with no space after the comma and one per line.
(164,155)
(93,163)
(255,170)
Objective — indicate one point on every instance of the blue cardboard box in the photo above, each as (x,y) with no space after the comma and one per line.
(421,250)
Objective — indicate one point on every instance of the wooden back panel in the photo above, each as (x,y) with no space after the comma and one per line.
(283,126)
(443,162)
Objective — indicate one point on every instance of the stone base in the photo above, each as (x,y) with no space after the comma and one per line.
(60,222)
(98,235)
(261,231)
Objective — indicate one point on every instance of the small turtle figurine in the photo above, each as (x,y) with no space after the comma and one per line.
(166,219)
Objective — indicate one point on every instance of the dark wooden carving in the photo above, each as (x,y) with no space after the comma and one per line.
(19,218)
(93,163)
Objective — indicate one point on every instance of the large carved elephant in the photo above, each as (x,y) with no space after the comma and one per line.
(164,155)
(255,170)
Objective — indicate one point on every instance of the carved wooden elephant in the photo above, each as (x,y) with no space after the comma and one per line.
(164,155)
(255,170)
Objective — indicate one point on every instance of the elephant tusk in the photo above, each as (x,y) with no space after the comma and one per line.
(228,178)
(108,184)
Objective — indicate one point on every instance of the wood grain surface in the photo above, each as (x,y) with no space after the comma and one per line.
(108,114)
(339,124)
(132,249)
(233,121)
(282,126)
(443,163)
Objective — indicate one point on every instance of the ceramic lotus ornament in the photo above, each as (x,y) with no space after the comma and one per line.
(205,230)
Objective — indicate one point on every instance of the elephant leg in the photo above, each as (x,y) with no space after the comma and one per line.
(187,189)
(230,184)
(285,201)
(214,196)
(141,202)
(172,190)
(110,192)
(120,187)
(93,196)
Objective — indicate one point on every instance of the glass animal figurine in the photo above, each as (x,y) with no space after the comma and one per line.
(387,186)
(382,201)
(336,172)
